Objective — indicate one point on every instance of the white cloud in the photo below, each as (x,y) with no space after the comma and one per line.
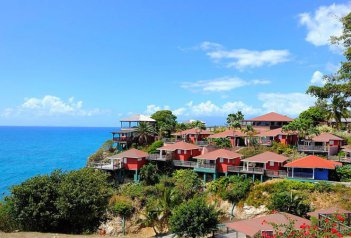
(50,106)
(244,58)
(152,108)
(317,78)
(324,23)
(220,84)
(285,103)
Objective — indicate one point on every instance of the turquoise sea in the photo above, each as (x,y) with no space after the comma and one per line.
(29,151)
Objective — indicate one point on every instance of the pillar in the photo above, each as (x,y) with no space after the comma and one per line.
(136,176)
(204,177)
(261,178)
(214,176)
(253,177)
(313,174)
(292,172)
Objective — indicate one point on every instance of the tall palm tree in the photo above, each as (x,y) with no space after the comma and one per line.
(234,122)
(338,109)
(144,132)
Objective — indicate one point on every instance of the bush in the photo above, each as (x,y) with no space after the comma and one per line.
(222,142)
(149,174)
(97,156)
(289,202)
(194,218)
(187,183)
(153,147)
(72,202)
(7,221)
(344,173)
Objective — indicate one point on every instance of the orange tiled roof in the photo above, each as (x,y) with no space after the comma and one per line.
(220,153)
(267,156)
(326,137)
(272,116)
(313,162)
(192,131)
(132,153)
(254,226)
(181,145)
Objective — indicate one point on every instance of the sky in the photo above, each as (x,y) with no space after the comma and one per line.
(91,63)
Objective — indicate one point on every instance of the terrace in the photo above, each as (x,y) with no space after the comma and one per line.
(246,170)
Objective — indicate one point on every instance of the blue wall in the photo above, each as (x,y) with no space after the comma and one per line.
(321,174)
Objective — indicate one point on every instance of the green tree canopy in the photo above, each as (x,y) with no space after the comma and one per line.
(187,183)
(144,132)
(290,202)
(234,120)
(194,218)
(166,122)
(149,174)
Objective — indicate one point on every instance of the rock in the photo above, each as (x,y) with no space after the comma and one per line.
(247,212)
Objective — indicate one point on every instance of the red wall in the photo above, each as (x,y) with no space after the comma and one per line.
(288,140)
(276,166)
(133,163)
(187,155)
(223,167)
(192,138)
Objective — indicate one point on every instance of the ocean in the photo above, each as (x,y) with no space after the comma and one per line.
(30,151)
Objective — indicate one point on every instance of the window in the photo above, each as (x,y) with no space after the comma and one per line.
(267,233)
(179,152)
(139,159)
(271,163)
(221,160)
(185,152)
(125,160)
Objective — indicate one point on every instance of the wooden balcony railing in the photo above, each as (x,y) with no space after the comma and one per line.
(276,173)
(157,157)
(206,166)
(244,169)
(318,148)
(105,166)
(302,175)
(188,164)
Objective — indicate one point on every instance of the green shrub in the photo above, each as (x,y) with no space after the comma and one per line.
(290,202)
(71,202)
(149,174)
(344,173)
(194,218)
(97,156)
(152,149)
(7,220)
(222,142)
(131,190)
(187,183)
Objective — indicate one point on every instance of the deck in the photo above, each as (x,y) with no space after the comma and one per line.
(276,173)
(186,164)
(105,166)
(245,170)
(157,157)
(313,148)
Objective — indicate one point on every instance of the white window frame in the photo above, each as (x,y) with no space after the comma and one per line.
(179,152)
(221,160)
(125,160)
(271,163)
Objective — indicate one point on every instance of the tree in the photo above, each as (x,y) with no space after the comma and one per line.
(153,147)
(344,173)
(290,202)
(194,218)
(222,142)
(234,122)
(7,219)
(231,188)
(337,89)
(144,132)
(187,183)
(165,121)
(122,206)
(72,202)
(149,174)
(303,127)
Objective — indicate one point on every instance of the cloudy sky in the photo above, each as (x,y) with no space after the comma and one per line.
(89,63)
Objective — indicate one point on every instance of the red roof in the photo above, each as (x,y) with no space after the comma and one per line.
(193,131)
(267,156)
(228,133)
(331,210)
(254,226)
(272,116)
(181,145)
(326,137)
(313,162)
(275,132)
(221,153)
(132,153)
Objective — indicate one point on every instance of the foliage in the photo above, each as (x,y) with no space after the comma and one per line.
(165,122)
(108,146)
(72,202)
(149,174)
(315,115)
(152,149)
(252,151)
(97,156)
(231,188)
(7,220)
(187,183)
(344,173)
(144,132)
(234,120)
(222,142)
(131,190)
(289,202)
(194,218)
(303,127)
(121,205)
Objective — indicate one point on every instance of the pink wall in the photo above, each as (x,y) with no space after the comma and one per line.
(276,166)
(133,163)
(186,154)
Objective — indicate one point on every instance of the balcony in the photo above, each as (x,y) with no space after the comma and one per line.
(105,166)
(300,175)
(312,148)
(245,170)
(122,139)
(276,173)
(157,157)
(207,168)
(187,164)
(202,143)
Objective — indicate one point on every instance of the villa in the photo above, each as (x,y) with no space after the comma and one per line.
(311,167)
(178,151)
(324,143)
(125,136)
(236,137)
(268,121)
(263,226)
(279,136)
(194,135)
(217,161)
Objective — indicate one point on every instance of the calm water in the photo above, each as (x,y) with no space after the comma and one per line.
(28,151)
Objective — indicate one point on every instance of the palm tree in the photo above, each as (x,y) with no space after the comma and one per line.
(144,132)
(338,109)
(250,132)
(234,121)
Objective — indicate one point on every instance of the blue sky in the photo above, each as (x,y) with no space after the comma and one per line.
(89,63)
